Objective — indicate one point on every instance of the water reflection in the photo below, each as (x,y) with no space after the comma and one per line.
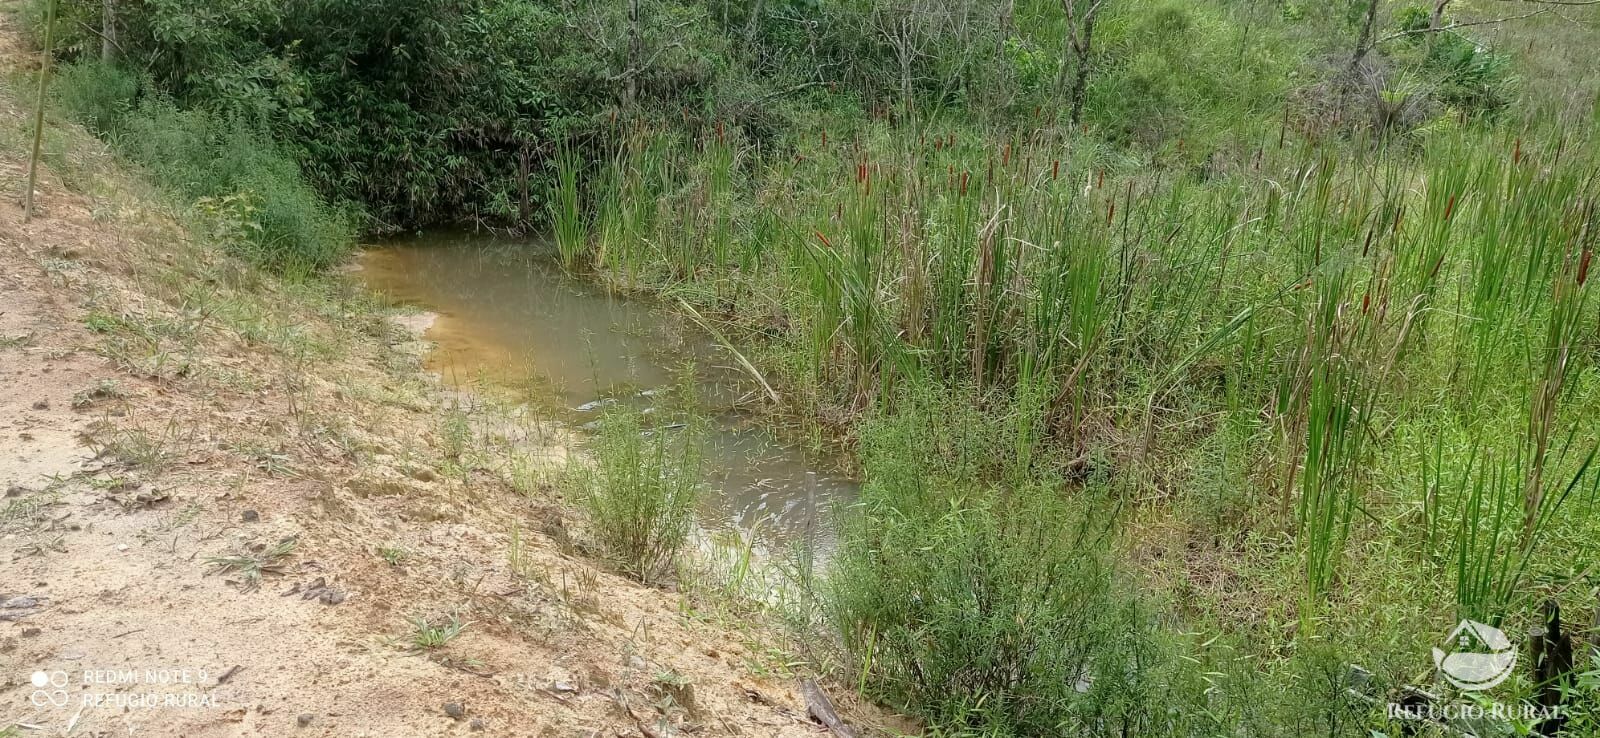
(509,319)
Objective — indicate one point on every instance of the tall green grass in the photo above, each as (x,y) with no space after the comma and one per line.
(1336,303)
(639,493)
(566,209)
(248,185)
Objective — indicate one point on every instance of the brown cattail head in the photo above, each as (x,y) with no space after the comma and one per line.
(1516,153)
(1111,211)
(1583,266)
(1101,182)
(824,137)
(964,177)
(1434,272)
(1450,207)
(1005,159)
(823,239)
(1055,170)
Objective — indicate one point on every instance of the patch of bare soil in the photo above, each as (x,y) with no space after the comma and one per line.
(236,508)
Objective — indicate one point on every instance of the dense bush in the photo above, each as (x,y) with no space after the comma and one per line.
(262,206)
(97,95)
(421,110)
(450,110)
(1467,76)
(972,595)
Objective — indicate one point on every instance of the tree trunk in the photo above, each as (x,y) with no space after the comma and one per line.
(108,31)
(630,84)
(38,112)
(1364,41)
(1080,80)
(906,55)
(1079,43)
(1437,19)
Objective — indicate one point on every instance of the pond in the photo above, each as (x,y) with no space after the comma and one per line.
(510,320)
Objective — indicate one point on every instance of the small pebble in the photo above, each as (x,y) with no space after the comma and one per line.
(455,710)
(250,516)
(122,547)
(42,405)
(477,724)
(304,719)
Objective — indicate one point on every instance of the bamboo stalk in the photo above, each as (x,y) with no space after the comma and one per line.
(38,113)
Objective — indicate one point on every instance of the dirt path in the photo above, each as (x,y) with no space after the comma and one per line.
(236,508)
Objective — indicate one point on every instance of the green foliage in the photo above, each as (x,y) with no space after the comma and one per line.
(566,209)
(1183,300)
(972,589)
(973,605)
(97,95)
(1470,76)
(272,216)
(1171,69)
(249,189)
(1333,328)
(434,110)
(640,492)
(421,110)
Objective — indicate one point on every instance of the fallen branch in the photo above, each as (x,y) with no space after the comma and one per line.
(820,708)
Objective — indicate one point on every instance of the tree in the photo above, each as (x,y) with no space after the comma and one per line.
(1365,42)
(108,31)
(1079,39)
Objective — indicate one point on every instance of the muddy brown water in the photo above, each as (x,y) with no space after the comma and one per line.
(510,320)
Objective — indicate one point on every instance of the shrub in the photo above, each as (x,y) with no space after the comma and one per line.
(977,606)
(96,95)
(639,493)
(282,223)
(1470,77)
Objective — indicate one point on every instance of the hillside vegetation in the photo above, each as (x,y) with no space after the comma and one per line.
(1205,361)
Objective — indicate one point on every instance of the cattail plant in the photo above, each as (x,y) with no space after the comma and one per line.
(566,208)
